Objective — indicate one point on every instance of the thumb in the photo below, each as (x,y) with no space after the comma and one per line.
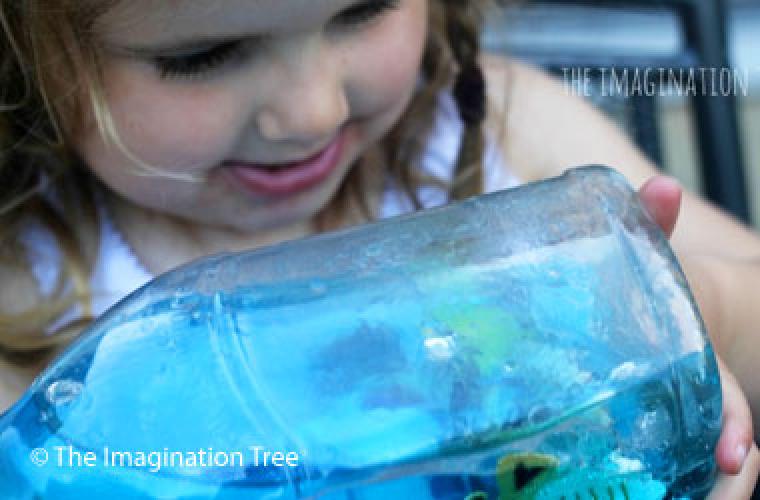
(661,196)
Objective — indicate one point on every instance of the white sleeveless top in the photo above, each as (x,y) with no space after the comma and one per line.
(118,272)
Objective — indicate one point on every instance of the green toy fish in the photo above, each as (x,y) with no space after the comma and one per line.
(536,476)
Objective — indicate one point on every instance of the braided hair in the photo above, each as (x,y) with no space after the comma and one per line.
(462,23)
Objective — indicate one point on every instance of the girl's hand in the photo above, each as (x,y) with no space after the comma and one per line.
(736,453)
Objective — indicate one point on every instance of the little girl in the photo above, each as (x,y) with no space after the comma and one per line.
(139,135)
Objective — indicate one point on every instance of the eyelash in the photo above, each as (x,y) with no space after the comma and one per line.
(194,65)
(199,63)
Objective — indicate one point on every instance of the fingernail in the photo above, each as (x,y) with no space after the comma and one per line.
(676,185)
(741,453)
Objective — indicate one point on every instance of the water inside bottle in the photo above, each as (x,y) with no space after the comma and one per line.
(546,371)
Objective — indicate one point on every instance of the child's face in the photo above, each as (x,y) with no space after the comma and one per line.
(193,85)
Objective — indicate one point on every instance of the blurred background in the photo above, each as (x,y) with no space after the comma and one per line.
(708,139)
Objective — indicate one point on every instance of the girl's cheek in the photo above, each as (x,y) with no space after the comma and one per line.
(176,125)
(387,62)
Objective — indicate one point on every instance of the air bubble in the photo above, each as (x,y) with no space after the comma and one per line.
(440,348)
(63,392)
(318,288)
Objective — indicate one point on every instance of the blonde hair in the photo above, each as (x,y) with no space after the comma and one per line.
(48,63)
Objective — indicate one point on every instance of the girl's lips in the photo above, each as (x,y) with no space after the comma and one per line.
(290,178)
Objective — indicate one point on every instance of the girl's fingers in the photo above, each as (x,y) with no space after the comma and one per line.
(661,196)
(737,456)
(738,487)
(736,439)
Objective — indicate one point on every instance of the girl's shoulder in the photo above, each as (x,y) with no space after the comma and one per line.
(505,83)
(544,127)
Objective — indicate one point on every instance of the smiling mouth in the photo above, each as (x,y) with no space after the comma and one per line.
(288,178)
(274,167)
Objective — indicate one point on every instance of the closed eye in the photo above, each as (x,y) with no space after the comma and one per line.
(365,12)
(199,62)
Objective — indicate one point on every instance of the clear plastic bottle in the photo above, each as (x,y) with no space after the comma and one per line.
(529,343)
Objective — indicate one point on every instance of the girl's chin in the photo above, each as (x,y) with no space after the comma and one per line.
(249,215)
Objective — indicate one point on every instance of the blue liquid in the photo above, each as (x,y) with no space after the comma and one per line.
(600,438)
(389,385)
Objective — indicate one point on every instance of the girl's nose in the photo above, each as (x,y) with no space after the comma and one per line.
(309,108)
